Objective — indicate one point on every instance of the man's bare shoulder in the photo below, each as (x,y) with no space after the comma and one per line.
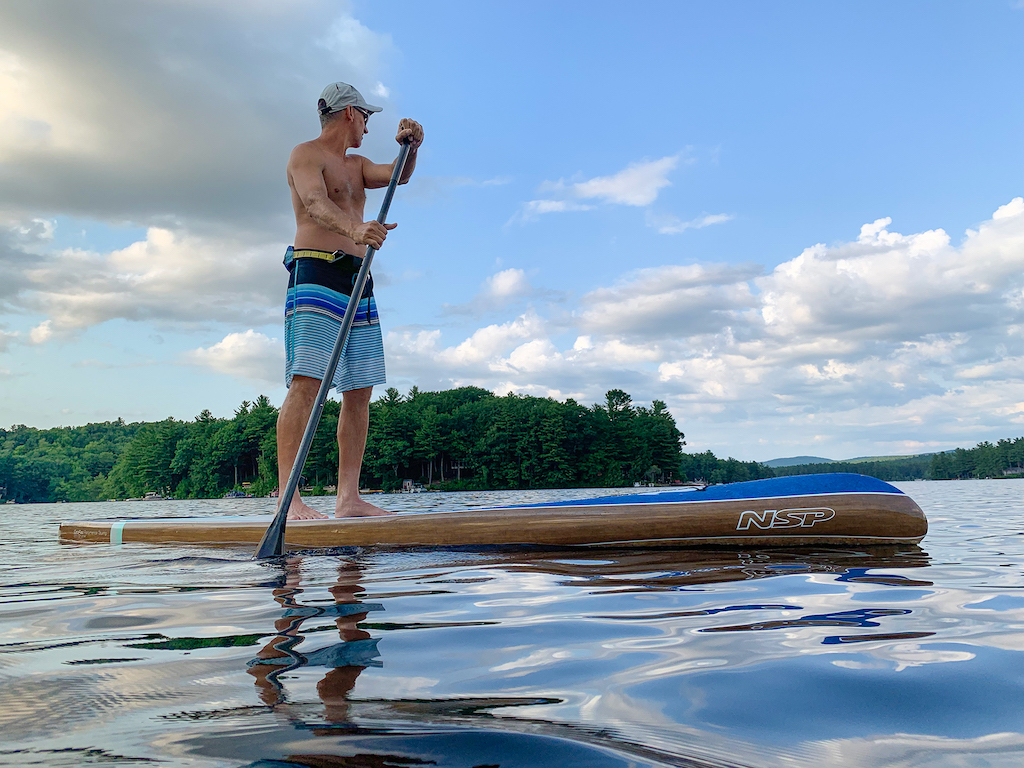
(306,153)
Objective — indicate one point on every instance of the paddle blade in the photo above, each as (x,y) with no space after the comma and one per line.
(272,543)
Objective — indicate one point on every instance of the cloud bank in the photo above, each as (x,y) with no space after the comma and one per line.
(908,341)
(180,110)
(172,279)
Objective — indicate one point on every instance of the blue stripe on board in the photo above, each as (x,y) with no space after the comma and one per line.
(796,485)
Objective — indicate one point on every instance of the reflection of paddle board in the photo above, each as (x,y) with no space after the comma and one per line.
(827,509)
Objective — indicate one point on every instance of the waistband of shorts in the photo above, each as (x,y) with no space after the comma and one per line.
(313,253)
(345,261)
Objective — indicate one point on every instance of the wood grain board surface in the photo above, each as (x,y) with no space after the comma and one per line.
(671,519)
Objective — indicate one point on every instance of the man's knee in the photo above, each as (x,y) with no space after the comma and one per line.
(303,385)
(357,398)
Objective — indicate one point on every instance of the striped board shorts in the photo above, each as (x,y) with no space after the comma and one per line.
(318,293)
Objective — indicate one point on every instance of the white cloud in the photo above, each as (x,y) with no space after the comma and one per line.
(498,291)
(636,185)
(534,356)
(477,358)
(170,277)
(672,225)
(672,301)
(487,344)
(507,283)
(532,209)
(41,333)
(248,356)
(358,46)
(896,287)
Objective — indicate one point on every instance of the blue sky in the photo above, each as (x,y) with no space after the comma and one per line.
(799,224)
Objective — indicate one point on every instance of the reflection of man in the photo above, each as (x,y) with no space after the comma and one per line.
(344,660)
(328,187)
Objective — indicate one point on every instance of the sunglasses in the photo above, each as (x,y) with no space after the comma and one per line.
(364,112)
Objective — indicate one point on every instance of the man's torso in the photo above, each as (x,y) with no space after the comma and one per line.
(343,177)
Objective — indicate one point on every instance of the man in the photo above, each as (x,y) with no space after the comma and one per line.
(328,187)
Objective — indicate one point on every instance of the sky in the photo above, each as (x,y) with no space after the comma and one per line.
(800,225)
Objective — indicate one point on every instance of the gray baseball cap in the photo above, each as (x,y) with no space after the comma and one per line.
(337,96)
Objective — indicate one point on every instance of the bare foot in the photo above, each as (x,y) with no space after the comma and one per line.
(299,511)
(358,508)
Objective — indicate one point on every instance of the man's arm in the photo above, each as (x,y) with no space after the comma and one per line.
(376,175)
(306,175)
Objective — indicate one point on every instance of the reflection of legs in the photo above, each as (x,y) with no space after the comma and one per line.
(352,425)
(334,690)
(339,682)
(344,592)
(291,423)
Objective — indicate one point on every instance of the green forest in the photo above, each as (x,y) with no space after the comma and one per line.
(890,470)
(464,438)
(458,439)
(1005,458)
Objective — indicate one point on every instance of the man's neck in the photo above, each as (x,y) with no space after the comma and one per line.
(336,140)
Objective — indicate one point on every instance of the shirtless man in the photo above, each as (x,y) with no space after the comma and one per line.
(328,187)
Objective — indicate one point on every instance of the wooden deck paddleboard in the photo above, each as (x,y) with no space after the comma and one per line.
(804,510)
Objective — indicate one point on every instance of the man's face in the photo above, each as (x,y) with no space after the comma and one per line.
(360,117)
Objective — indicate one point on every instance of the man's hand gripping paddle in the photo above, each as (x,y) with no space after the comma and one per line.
(272,544)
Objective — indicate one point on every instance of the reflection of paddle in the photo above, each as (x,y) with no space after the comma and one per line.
(272,544)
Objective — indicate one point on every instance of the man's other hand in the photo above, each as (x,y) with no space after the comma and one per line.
(371,233)
(411,131)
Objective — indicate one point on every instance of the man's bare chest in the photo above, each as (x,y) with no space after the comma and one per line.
(344,180)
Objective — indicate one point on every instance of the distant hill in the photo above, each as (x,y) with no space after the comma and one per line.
(862,459)
(884,468)
(794,461)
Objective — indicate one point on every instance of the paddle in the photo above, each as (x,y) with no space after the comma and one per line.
(272,543)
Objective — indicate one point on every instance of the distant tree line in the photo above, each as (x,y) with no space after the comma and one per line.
(707,468)
(1004,459)
(464,438)
(890,470)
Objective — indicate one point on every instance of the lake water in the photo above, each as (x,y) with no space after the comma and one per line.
(174,656)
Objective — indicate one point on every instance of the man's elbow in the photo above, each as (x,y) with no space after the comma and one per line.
(315,204)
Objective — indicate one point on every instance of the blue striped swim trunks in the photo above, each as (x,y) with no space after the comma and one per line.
(318,293)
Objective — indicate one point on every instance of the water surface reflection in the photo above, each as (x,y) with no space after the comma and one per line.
(199,657)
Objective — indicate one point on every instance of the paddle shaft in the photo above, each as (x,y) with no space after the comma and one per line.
(272,544)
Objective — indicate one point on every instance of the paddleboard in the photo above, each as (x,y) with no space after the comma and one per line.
(803,510)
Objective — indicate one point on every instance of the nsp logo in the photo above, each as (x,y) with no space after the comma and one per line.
(784,518)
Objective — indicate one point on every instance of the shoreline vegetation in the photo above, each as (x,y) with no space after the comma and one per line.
(458,439)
